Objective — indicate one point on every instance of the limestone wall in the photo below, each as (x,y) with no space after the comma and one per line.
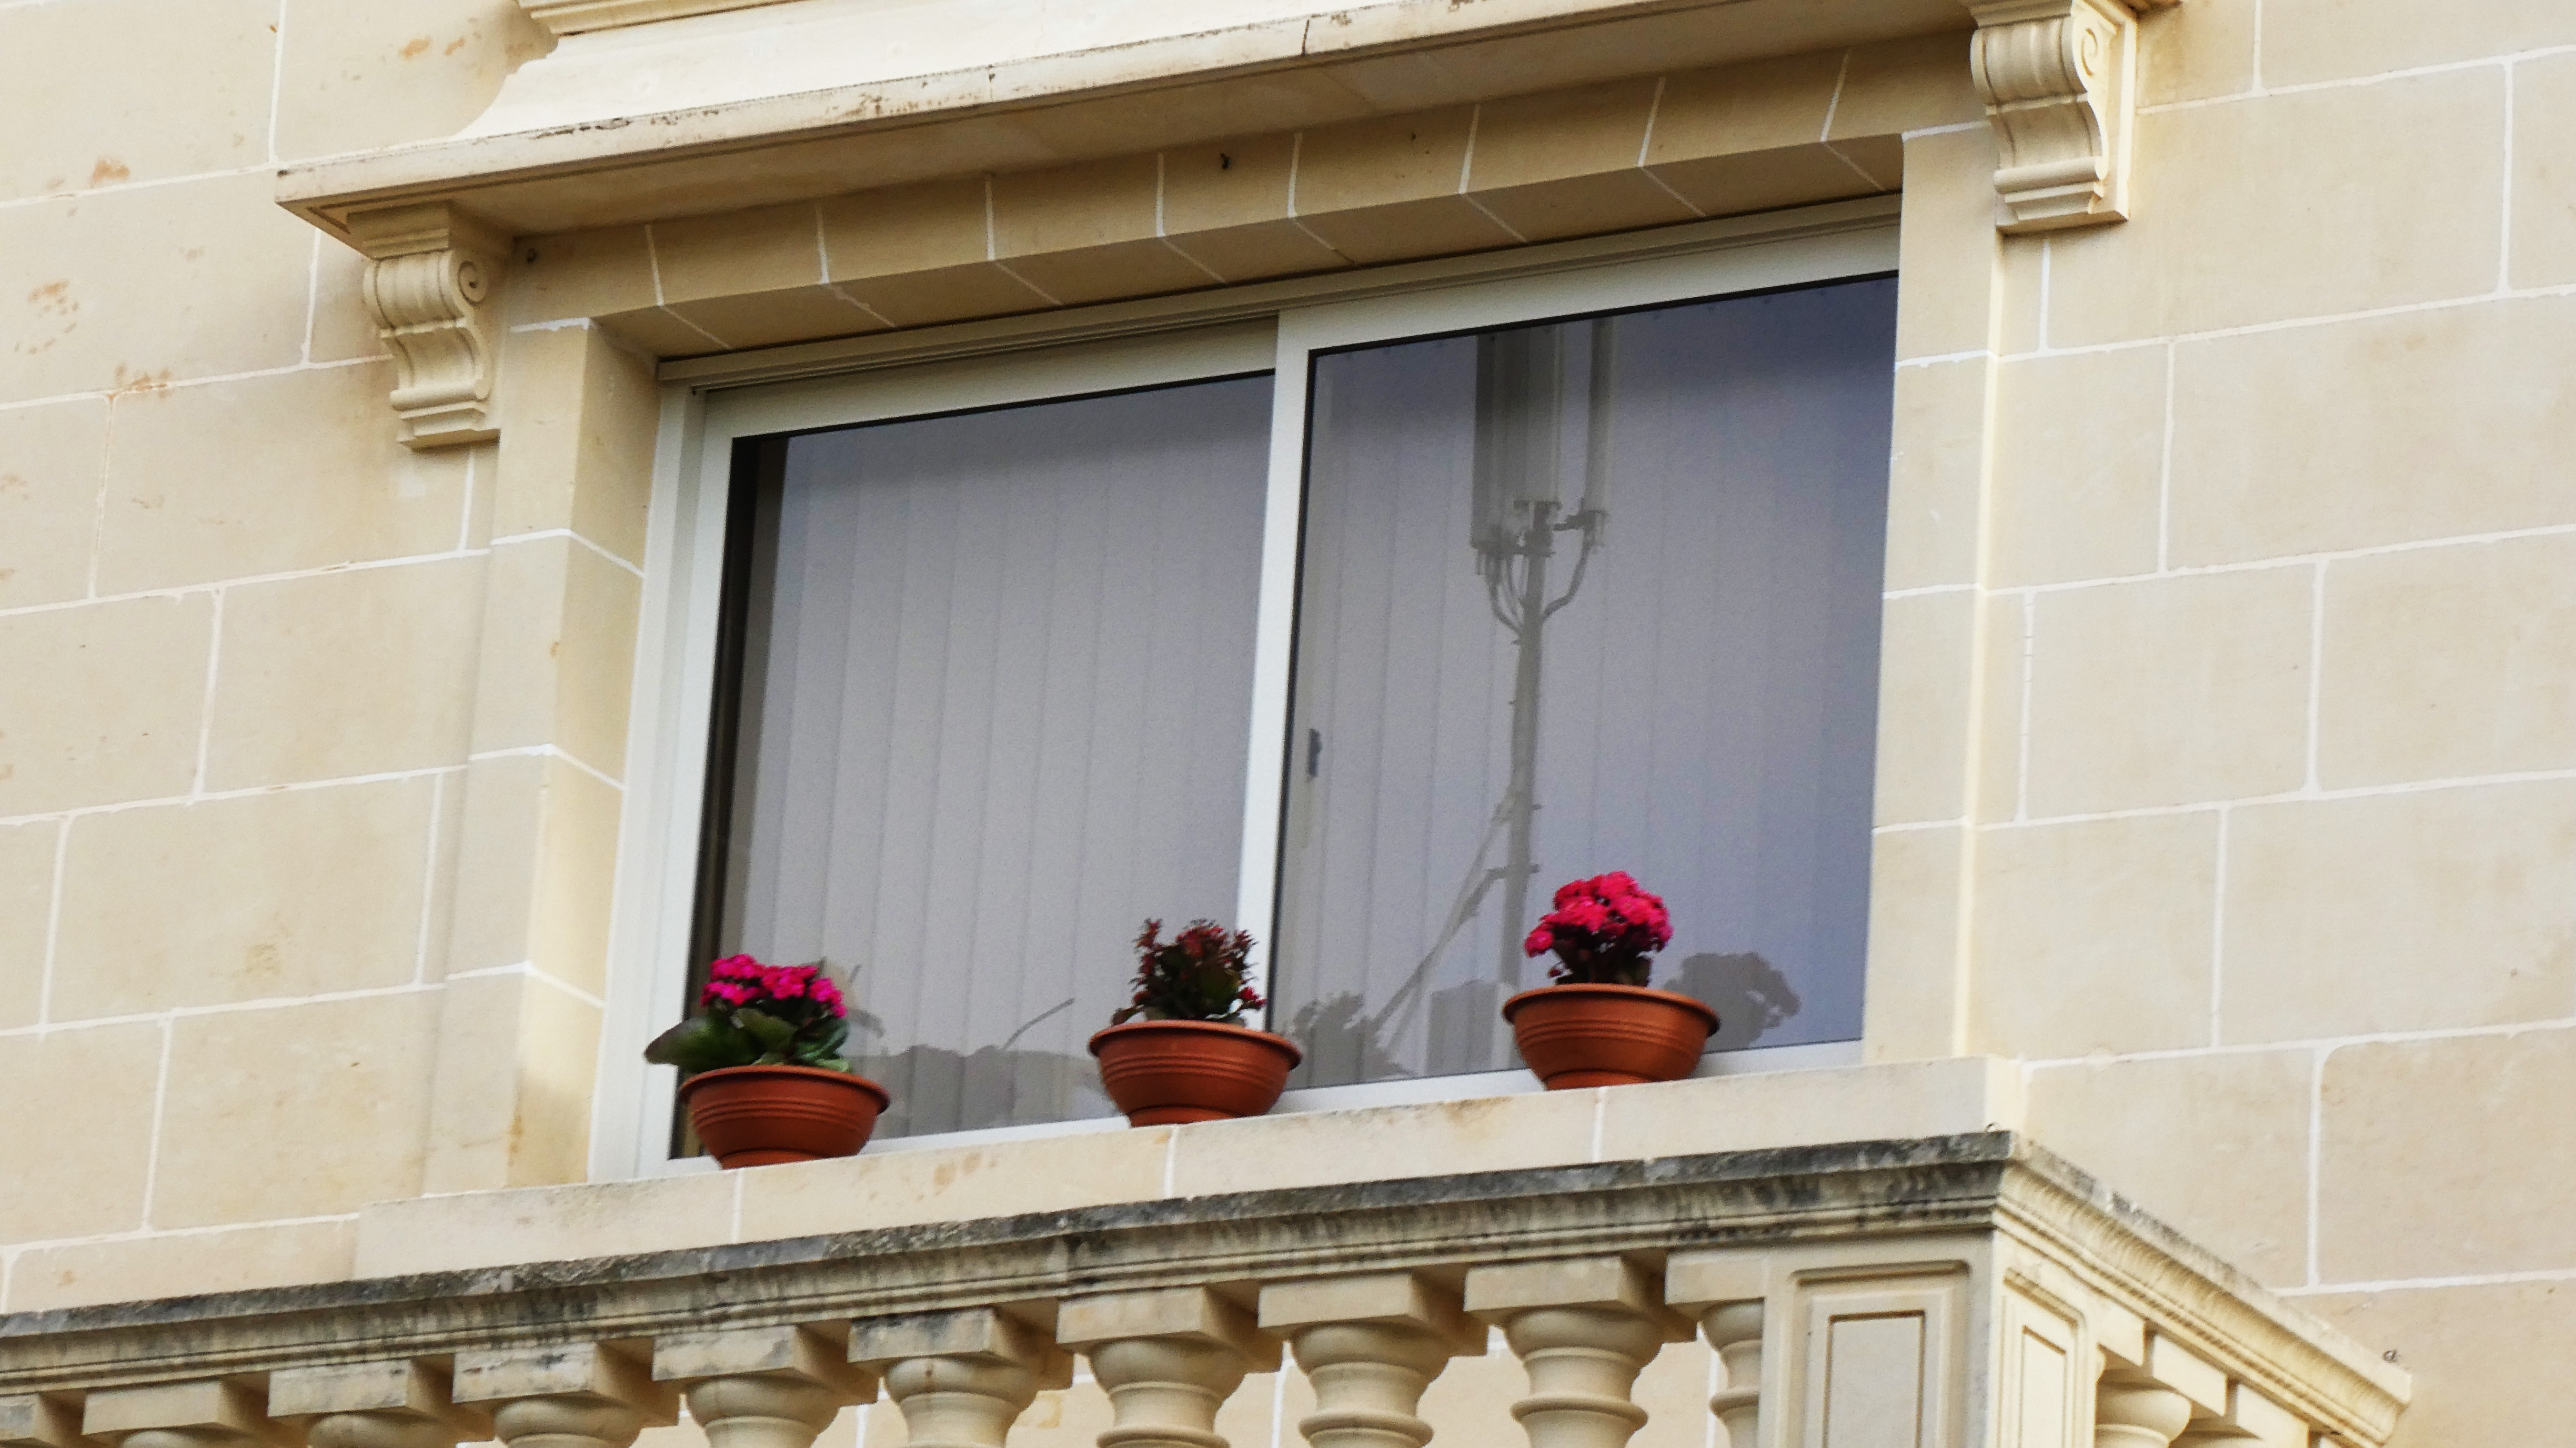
(2276,898)
(2268,805)
(237,634)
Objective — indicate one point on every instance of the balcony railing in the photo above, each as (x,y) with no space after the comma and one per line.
(1956,1292)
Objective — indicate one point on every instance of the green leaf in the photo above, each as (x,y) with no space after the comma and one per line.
(772,1033)
(700,1043)
(827,1035)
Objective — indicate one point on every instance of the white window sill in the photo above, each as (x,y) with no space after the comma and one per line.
(1097,1163)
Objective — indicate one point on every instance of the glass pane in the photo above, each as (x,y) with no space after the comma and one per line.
(1595,595)
(997,688)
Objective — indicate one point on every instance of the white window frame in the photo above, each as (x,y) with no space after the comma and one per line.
(1278,328)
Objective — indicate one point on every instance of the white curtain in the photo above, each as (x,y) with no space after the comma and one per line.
(1706,712)
(997,695)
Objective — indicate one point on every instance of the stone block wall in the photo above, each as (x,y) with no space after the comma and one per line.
(2268,819)
(2275,882)
(239,628)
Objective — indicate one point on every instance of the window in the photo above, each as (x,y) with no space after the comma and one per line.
(1584,596)
(992,711)
(1362,623)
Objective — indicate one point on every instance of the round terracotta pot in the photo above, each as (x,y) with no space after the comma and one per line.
(1575,1036)
(1163,1073)
(763,1115)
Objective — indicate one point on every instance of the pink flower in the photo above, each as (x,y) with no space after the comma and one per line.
(724,991)
(740,980)
(1608,917)
(1585,915)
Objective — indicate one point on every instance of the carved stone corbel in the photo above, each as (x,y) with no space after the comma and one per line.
(431,272)
(2059,78)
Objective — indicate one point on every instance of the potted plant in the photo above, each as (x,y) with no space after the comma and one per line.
(1599,1025)
(763,1075)
(1179,1051)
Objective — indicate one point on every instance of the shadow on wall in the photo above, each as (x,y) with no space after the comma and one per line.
(1333,1030)
(1343,1042)
(1750,997)
(936,1089)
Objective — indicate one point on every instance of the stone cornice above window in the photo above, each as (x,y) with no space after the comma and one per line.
(572,17)
(793,101)
(651,111)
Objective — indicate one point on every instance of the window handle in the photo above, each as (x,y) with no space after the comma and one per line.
(1314,752)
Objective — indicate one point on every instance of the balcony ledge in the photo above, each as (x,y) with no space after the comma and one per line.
(1978,1231)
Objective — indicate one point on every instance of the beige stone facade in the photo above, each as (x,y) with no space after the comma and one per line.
(2226,797)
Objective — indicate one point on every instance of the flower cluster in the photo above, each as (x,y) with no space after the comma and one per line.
(750,1014)
(739,980)
(1602,930)
(1201,974)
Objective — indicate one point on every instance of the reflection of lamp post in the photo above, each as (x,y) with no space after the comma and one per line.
(1520,410)
(1520,406)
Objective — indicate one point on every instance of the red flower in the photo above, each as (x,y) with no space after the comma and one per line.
(740,980)
(1602,929)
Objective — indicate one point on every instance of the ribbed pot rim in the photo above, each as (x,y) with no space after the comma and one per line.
(1271,1039)
(1562,990)
(853,1079)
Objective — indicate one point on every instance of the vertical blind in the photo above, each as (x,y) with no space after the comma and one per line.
(996,694)
(1708,485)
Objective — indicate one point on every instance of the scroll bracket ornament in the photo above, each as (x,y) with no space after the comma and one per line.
(431,275)
(2059,79)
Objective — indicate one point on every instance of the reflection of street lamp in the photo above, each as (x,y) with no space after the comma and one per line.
(1520,407)
(1521,399)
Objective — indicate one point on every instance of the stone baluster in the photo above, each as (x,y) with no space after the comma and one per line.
(1370,1345)
(404,1403)
(2132,1410)
(1725,1290)
(962,1378)
(584,1396)
(1584,1328)
(42,1420)
(1734,1331)
(1169,1357)
(206,1414)
(761,1387)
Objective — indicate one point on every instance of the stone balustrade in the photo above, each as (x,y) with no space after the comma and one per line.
(1958,1292)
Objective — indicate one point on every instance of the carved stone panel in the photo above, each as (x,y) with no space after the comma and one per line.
(1881,1363)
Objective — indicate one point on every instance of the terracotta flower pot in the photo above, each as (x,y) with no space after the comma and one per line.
(1575,1036)
(1162,1073)
(762,1115)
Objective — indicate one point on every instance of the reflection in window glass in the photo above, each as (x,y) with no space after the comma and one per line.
(1587,596)
(996,690)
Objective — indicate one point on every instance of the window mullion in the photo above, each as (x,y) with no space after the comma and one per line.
(1273,654)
